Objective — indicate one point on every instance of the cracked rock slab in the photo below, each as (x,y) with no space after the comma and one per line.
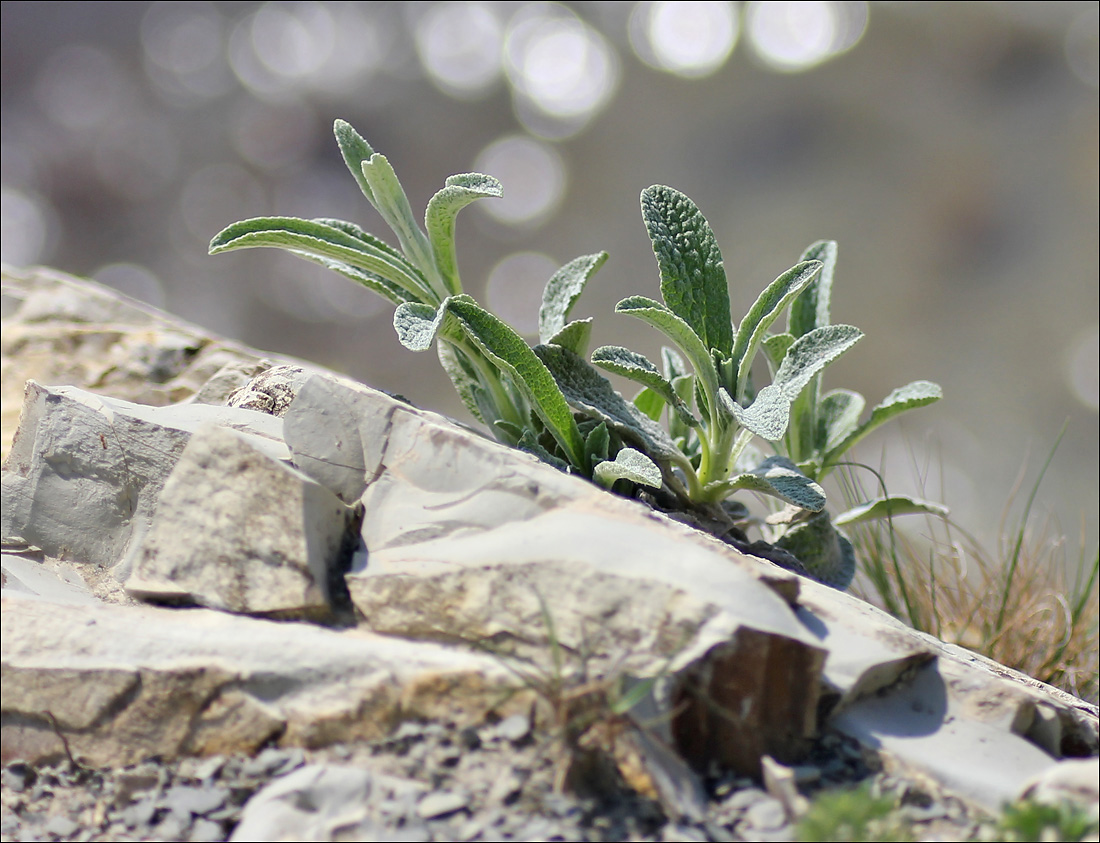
(85,471)
(240,531)
(126,683)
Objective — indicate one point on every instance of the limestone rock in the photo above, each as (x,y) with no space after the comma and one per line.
(1076,781)
(126,683)
(328,802)
(238,530)
(939,713)
(85,471)
(271,391)
(58,329)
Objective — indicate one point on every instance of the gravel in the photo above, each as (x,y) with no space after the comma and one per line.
(492,783)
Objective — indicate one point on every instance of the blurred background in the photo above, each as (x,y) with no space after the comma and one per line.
(950,148)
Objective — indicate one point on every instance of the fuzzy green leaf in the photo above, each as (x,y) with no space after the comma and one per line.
(309,237)
(393,205)
(693,280)
(811,309)
(684,387)
(838,415)
(810,353)
(355,151)
(779,477)
(890,507)
(561,293)
(908,397)
(416,325)
(530,443)
(672,363)
(765,310)
(439,220)
(597,443)
(650,403)
(636,367)
(775,349)
(827,556)
(590,393)
(510,353)
(575,336)
(677,330)
(767,416)
(628,465)
(508,432)
(464,378)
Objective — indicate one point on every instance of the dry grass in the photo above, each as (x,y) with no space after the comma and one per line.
(1025,603)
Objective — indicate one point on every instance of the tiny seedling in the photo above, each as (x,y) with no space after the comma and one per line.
(501,380)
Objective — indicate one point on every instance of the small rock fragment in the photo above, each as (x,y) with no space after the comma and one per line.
(441,804)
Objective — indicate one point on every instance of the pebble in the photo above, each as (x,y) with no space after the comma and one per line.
(60,827)
(514,728)
(436,805)
(18,776)
(766,815)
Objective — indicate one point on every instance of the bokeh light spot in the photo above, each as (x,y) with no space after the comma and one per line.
(25,226)
(563,71)
(1083,369)
(184,48)
(690,39)
(460,47)
(1083,46)
(795,36)
(293,41)
(514,289)
(533,176)
(83,87)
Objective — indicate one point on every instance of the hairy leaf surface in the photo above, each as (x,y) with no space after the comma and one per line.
(636,367)
(326,241)
(575,336)
(764,311)
(416,324)
(509,352)
(825,553)
(775,349)
(890,507)
(439,219)
(908,397)
(628,465)
(838,416)
(562,291)
(810,353)
(591,393)
(393,205)
(779,477)
(693,280)
(677,330)
(767,416)
(811,309)
(355,150)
